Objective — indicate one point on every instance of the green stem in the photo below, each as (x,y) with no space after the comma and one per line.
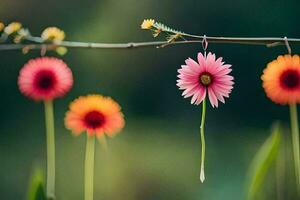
(295,140)
(49,119)
(202,174)
(89,168)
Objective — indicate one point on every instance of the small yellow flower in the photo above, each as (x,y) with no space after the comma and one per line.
(147,23)
(1,26)
(12,28)
(53,34)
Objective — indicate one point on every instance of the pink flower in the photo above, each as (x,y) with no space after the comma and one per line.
(45,78)
(208,75)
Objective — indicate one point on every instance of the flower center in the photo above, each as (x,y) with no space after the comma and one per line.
(290,79)
(45,80)
(94,119)
(205,79)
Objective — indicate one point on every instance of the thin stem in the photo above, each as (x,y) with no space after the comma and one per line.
(89,168)
(49,119)
(202,173)
(295,140)
(38,43)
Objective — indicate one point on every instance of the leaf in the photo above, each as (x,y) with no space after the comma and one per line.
(36,189)
(165,28)
(262,161)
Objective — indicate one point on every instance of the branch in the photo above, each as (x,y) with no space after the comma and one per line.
(38,43)
(92,45)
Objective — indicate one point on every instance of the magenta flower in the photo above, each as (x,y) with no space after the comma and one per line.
(45,78)
(208,75)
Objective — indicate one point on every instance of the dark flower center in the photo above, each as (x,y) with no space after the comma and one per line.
(205,79)
(94,119)
(45,80)
(290,79)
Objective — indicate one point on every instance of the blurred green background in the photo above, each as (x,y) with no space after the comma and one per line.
(157,156)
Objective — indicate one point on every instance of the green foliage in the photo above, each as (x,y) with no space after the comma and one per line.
(263,160)
(36,186)
(164,28)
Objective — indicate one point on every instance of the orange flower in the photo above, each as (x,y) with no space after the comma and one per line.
(281,80)
(95,114)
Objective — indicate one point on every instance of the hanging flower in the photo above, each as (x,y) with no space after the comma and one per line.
(53,34)
(147,23)
(12,28)
(208,75)
(45,78)
(281,80)
(95,114)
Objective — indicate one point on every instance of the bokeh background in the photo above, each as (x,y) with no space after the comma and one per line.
(157,156)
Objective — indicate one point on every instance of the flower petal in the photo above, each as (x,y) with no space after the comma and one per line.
(201,96)
(212,98)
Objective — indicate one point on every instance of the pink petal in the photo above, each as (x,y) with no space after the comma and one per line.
(219,61)
(190,91)
(212,98)
(193,65)
(223,72)
(226,66)
(189,78)
(201,96)
(222,86)
(219,96)
(221,91)
(195,97)
(184,85)
(225,78)
(201,60)
(210,60)
(187,70)
(223,81)
(189,81)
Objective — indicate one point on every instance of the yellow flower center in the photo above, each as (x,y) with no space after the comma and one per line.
(205,79)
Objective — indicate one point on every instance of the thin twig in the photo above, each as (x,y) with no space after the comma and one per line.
(38,43)
(71,44)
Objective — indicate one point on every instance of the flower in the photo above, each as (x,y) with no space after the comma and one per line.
(207,76)
(1,26)
(95,114)
(12,28)
(22,33)
(53,34)
(281,79)
(147,23)
(45,78)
